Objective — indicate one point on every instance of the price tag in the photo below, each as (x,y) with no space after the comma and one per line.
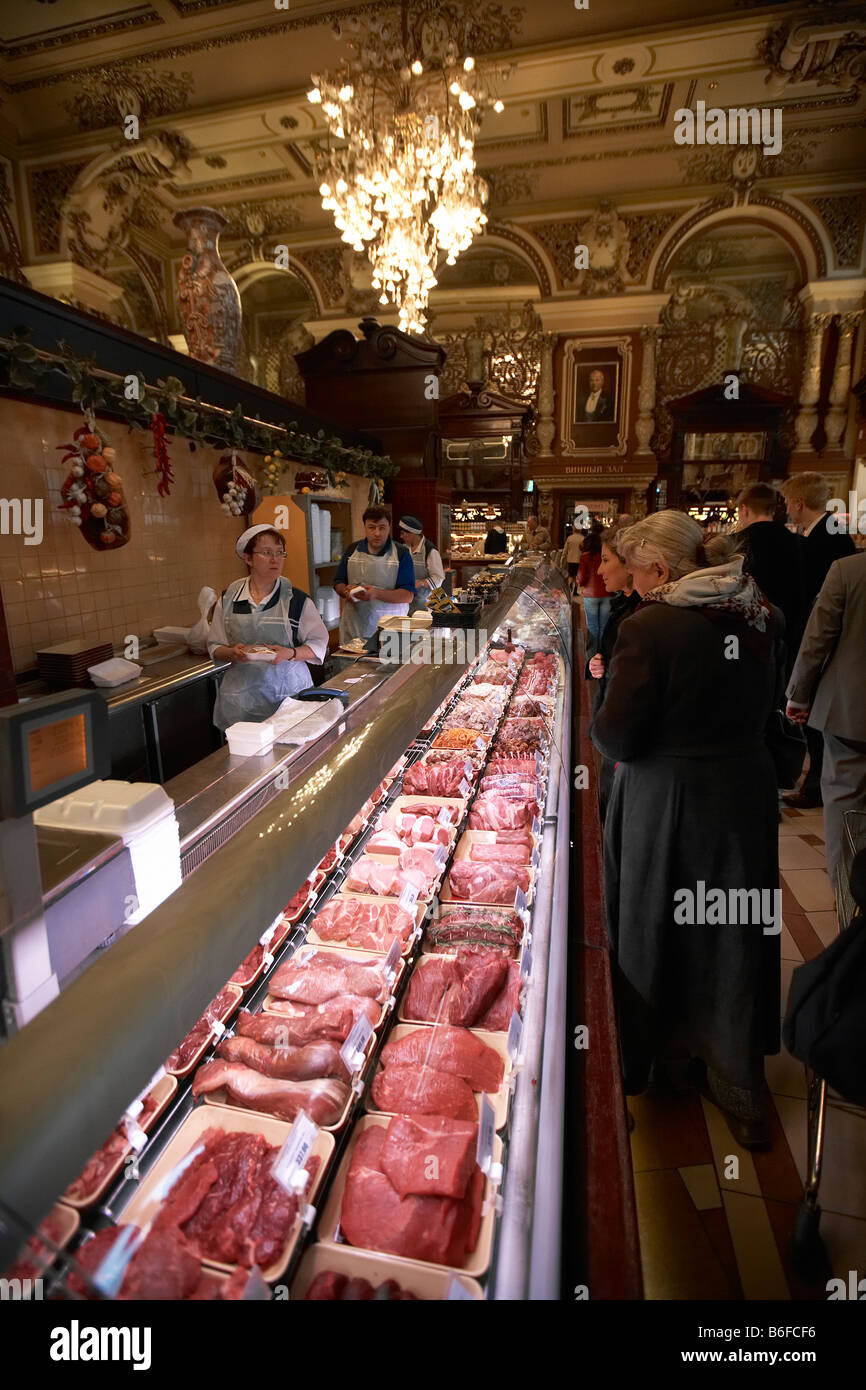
(539,762)
(290,1164)
(255,1289)
(468,768)
(509,779)
(464,788)
(480,744)
(444,816)
(520,904)
(409,897)
(352,1051)
(515,1036)
(392,960)
(267,960)
(535,857)
(457,1290)
(526,960)
(134,1133)
(217,1028)
(267,936)
(486,1136)
(536,827)
(440,858)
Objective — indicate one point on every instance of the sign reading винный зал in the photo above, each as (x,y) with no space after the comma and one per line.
(739,125)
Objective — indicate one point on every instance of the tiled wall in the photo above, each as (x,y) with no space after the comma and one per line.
(63,589)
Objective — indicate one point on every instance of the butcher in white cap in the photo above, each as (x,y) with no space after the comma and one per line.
(267,629)
(429,570)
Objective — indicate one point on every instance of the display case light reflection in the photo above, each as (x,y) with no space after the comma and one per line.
(320,779)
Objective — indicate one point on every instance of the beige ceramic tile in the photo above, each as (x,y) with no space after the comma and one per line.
(789,948)
(700,1181)
(795,853)
(811,888)
(758,1261)
(677,1256)
(725,1147)
(826,925)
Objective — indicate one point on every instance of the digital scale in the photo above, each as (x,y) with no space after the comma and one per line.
(48,747)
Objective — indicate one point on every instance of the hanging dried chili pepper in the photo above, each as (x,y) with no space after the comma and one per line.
(160,453)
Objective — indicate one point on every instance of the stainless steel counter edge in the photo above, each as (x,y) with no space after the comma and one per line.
(66,1078)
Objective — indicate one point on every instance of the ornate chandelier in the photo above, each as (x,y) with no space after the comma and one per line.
(402,183)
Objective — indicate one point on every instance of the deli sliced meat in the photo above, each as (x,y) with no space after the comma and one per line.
(443,1230)
(368,926)
(453,1050)
(412,1141)
(323,1100)
(308,1063)
(412,1088)
(314,977)
(488,883)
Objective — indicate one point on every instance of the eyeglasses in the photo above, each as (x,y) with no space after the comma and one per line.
(271,554)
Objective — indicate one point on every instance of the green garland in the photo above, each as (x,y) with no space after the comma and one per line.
(27,367)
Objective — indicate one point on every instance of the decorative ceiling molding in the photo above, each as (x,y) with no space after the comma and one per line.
(824,52)
(108,97)
(541,137)
(525,243)
(844,216)
(650,99)
(142,17)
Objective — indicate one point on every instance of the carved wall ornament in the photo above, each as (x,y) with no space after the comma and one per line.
(742,166)
(823,53)
(605,234)
(116,90)
(510,185)
(512,342)
(844,216)
(645,231)
(327,266)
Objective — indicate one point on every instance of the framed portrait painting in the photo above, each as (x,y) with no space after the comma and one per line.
(597,376)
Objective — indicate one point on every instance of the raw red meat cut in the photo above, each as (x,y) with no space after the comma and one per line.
(498,1016)
(162,1269)
(524,767)
(414,1088)
(452,1050)
(296,905)
(443,1230)
(496,811)
(35,1256)
(314,977)
(339,1288)
(429,1155)
(500,852)
(368,926)
(306,1063)
(487,883)
(297,1024)
(217,1010)
(463,990)
(440,774)
(324,1100)
(478,928)
(384,880)
(427,808)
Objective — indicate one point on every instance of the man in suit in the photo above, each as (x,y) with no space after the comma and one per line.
(773,556)
(598,406)
(806,496)
(832,657)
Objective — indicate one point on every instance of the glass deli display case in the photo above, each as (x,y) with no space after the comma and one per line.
(332,1062)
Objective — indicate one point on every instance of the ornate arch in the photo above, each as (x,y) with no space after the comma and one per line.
(528,248)
(794,224)
(251,271)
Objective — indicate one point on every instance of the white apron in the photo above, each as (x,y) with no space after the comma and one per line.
(419,560)
(253,690)
(361,619)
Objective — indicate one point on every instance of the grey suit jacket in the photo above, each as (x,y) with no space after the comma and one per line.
(832,654)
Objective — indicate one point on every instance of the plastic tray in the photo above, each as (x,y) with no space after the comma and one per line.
(142,1207)
(427,1282)
(238,993)
(274,945)
(164,1088)
(498,1041)
(329,1222)
(407,946)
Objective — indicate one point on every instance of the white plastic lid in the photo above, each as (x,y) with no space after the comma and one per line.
(110,808)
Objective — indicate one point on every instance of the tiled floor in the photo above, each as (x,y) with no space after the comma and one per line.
(715,1221)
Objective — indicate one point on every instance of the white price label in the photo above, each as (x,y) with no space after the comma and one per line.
(290,1165)
(444,816)
(456,1290)
(468,768)
(526,960)
(352,1051)
(515,1036)
(464,788)
(480,744)
(409,897)
(519,901)
(134,1133)
(539,761)
(535,857)
(267,936)
(267,960)
(440,858)
(217,1028)
(392,960)
(536,827)
(486,1136)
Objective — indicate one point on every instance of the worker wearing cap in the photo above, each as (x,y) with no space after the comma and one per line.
(256,615)
(429,570)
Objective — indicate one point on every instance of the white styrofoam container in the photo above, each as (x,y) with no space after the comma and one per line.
(116,671)
(246,740)
(142,815)
(166,636)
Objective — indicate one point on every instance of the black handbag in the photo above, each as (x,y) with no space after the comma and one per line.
(825,1025)
(786,742)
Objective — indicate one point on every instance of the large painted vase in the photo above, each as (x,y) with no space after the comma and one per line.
(208,298)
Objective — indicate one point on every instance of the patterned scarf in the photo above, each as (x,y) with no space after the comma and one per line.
(723,593)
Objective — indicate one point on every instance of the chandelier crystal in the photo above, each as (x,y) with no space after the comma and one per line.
(401,183)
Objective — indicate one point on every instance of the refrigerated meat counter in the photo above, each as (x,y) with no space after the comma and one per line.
(116,1053)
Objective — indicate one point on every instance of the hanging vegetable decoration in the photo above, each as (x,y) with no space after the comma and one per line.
(93,492)
(160,453)
(236,488)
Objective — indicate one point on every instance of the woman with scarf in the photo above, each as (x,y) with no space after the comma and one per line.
(692,822)
(625,600)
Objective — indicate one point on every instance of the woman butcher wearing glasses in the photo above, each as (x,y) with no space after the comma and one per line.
(268,630)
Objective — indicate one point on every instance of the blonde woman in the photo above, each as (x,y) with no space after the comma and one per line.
(693,809)
(625,600)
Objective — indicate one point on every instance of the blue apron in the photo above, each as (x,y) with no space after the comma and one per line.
(252,690)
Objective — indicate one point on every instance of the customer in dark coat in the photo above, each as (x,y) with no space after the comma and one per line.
(693,803)
(806,496)
(623,603)
(774,557)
